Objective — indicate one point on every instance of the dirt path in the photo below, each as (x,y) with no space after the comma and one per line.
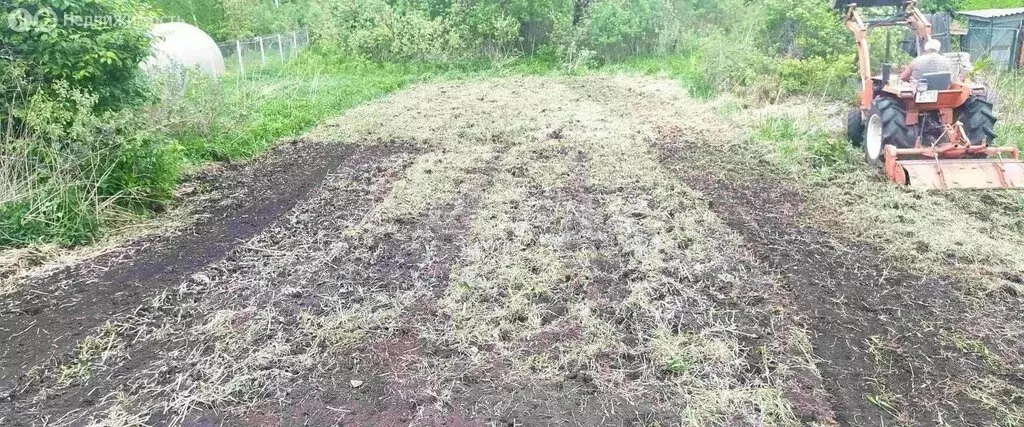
(528,252)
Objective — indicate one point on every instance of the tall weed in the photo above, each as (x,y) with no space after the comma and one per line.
(1007,92)
(69,169)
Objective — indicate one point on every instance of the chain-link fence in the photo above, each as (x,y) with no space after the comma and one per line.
(241,56)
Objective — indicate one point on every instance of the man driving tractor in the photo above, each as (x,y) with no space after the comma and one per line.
(938,130)
(931,62)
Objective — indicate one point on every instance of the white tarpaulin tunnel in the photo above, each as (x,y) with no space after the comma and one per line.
(179,45)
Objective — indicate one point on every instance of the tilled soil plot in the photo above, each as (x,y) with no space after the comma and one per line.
(50,314)
(514,252)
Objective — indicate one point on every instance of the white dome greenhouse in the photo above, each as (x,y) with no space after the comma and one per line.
(179,45)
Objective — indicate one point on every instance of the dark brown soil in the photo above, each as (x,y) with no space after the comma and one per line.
(420,254)
(876,329)
(50,315)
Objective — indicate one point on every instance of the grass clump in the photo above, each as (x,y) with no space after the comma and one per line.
(94,349)
(798,151)
(69,168)
(1008,96)
(239,116)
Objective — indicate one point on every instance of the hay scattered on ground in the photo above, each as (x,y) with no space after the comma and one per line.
(529,257)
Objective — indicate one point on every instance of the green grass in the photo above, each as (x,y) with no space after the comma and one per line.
(195,120)
(242,115)
(799,151)
(1008,94)
(682,67)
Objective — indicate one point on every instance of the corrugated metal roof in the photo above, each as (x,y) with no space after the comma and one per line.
(993,13)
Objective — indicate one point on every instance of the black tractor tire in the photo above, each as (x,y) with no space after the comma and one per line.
(855,128)
(892,128)
(978,119)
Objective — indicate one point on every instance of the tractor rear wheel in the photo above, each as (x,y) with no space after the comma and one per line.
(887,125)
(978,120)
(855,128)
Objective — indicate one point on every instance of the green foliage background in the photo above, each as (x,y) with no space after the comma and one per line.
(89,142)
(101,58)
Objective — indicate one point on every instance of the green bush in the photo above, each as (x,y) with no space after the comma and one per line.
(100,56)
(71,167)
(829,77)
(618,28)
(74,150)
(805,28)
(206,14)
(374,29)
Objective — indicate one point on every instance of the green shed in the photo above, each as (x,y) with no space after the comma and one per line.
(995,34)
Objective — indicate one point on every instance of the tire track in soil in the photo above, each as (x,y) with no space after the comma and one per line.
(851,300)
(418,253)
(247,200)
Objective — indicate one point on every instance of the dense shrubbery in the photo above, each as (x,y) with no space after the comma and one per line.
(453,30)
(72,165)
(233,19)
(737,42)
(805,29)
(96,55)
(74,150)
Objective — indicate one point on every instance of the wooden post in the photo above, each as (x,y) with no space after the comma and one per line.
(238,53)
(263,53)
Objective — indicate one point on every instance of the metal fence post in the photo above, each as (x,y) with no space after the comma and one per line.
(263,53)
(280,46)
(295,42)
(238,52)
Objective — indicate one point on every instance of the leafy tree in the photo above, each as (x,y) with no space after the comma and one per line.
(932,6)
(208,15)
(805,28)
(94,45)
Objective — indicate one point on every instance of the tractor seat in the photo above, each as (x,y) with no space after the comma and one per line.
(937,81)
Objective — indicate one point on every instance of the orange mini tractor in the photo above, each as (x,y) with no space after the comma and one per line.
(936,133)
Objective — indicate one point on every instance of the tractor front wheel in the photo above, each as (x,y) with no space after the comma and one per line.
(887,125)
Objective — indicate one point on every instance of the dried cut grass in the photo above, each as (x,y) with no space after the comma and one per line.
(505,111)
(585,269)
(525,294)
(977,235)
(434,178)
(287,305)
